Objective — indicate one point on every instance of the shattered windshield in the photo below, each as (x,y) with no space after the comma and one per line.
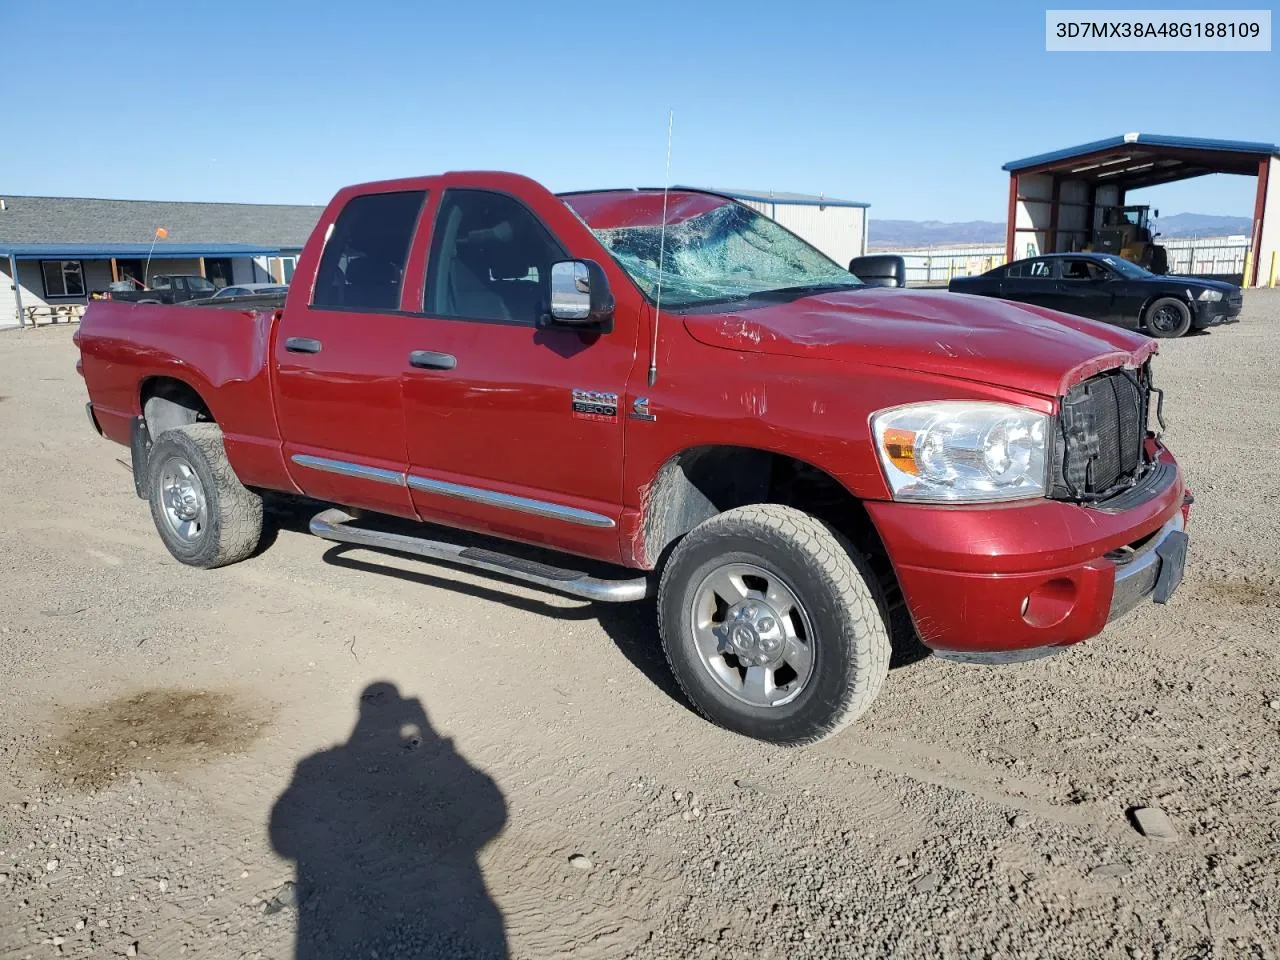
(728,253)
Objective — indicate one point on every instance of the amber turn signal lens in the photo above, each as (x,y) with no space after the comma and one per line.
(900,447)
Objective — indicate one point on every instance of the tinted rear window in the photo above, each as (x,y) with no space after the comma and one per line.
(363,263)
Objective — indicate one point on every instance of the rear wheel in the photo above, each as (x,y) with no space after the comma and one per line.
(772,626)
(204,515)
(1168,317)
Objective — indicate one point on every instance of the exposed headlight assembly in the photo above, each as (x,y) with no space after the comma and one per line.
(1210,296)
(960,451)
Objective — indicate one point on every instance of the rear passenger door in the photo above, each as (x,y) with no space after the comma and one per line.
(1030,281)
(340,357)
(497,438)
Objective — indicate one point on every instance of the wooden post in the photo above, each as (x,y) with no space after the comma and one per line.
(202,273)
(17,290)
(1011,226)
(115,271)
(1051,237)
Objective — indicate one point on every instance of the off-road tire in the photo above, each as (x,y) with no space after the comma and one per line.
(234,525)
(838,590)
(1168,303)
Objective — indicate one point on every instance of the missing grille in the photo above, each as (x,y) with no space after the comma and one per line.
(1098,449)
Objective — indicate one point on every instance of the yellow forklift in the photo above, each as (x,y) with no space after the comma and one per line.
(1126,232)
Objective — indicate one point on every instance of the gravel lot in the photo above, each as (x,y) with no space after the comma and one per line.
(328,753)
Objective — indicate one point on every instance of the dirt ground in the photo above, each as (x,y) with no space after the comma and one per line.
(324,752)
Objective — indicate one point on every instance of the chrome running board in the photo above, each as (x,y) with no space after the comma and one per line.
(334,524)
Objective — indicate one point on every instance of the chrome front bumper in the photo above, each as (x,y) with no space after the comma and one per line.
(1137,576)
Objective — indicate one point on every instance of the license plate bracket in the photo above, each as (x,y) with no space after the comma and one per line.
(1173,560)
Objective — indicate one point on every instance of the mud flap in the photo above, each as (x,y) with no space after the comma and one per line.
(139,449)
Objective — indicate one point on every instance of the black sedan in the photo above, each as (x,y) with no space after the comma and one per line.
(1104,287)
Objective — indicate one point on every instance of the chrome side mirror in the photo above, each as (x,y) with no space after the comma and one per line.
(580,296)
(570,292)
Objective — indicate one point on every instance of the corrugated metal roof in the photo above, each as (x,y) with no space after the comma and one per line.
(1146,139)
(104,251)
(780,196)
(83,220)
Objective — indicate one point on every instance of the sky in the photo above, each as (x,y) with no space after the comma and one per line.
(911,107)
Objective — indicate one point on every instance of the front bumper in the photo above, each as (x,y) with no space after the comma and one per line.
(1215,313)
(1013,581)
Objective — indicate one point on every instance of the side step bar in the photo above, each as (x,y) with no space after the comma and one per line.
(334,524)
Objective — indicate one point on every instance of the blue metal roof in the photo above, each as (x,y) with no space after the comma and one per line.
(105,251)
(1144,139)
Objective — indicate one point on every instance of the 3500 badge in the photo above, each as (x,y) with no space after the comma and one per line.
(593,405)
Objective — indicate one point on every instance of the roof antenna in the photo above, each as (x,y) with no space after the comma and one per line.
(662,253)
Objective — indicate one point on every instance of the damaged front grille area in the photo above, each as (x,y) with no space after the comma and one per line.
(1098,436)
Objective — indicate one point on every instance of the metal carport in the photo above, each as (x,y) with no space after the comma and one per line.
(1055,198)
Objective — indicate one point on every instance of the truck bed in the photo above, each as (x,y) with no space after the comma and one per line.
(257,301)
(223,354)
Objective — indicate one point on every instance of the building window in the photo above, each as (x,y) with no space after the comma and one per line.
(62,278)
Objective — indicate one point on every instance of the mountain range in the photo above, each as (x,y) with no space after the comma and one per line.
(896,234)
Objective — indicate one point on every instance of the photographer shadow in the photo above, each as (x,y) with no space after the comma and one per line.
(385,830)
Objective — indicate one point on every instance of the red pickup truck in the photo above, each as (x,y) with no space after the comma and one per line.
(676,385)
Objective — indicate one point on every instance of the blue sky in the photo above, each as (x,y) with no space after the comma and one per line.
(912,107)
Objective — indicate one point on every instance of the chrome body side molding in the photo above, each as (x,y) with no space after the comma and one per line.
(348,469)
(507,501)
(492,498)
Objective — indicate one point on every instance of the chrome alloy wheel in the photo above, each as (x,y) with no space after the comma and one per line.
(753,635)
(186,509)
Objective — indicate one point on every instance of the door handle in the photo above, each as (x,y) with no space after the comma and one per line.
(302,345)
(430,360)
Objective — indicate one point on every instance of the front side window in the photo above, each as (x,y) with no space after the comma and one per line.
(63,278)
(490,259)
(1083,270)
(727,253)
(200,285)
(362,267)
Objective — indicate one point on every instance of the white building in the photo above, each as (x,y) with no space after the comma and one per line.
(58,251)
(836,227)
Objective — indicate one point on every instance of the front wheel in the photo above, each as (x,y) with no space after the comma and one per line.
(773,628)
(1168,317)
(203,513)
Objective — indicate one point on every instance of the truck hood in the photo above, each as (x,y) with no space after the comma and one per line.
(1013,345)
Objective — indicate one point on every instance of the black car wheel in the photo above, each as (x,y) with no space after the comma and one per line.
(1168,317)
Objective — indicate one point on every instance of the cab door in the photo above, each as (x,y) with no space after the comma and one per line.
(340,357)
(1085,289)
(513,426)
